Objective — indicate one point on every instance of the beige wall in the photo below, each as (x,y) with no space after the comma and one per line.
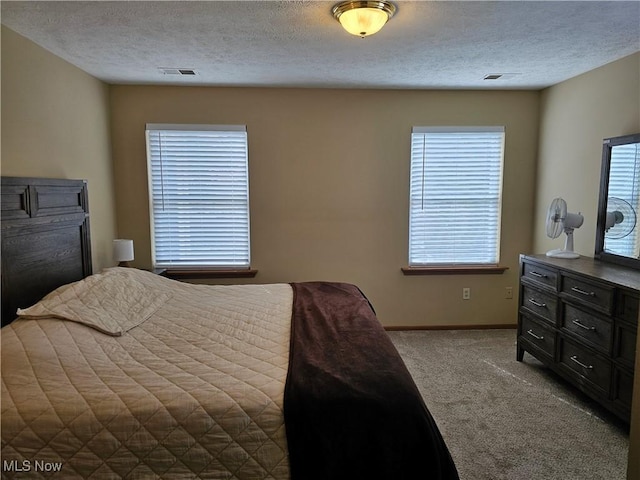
(329,177)
(575,116)
(55,123)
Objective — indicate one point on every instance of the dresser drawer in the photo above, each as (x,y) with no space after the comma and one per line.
(624,349)
(623,388)
(588,293)
(593,329)
(542,304)
(628,307)
(544,276)
(585,365)
(538,335)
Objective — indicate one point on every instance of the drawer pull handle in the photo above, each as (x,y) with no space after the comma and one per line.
(530,332)
(583,292)
(575,359)
(537,304)
(582,325)
(539,275)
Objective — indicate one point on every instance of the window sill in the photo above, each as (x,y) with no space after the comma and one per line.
(456,270)
(183,273)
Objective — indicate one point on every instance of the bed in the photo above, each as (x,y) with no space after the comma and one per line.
(128,374)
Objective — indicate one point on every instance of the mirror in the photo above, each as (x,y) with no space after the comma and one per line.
(618,229)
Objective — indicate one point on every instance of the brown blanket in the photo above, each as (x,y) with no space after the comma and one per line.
(352,410)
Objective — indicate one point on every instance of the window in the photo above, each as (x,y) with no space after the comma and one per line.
(455,196)
(199,188)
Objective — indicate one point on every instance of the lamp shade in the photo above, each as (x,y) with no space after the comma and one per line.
(363,18)
(122,250)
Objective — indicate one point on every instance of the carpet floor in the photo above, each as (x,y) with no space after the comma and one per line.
(510,420)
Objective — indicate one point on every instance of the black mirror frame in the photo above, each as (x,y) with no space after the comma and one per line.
(600,254)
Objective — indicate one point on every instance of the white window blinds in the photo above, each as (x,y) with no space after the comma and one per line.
(455,195)
(199,187)
(624,183)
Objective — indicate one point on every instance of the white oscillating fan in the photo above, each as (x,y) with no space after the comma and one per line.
(621,218)
(558,221)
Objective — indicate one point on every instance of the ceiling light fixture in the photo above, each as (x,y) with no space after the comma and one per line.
(363,18)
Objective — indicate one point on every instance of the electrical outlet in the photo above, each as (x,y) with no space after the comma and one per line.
(508,293)
(466,293)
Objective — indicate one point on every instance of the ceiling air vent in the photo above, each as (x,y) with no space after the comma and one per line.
(502,76)
(177,71)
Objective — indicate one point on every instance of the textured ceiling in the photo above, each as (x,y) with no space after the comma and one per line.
(427,44)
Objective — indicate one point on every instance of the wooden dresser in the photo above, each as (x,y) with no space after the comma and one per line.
(580,318)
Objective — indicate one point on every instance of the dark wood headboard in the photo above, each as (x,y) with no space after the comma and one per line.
(45,239)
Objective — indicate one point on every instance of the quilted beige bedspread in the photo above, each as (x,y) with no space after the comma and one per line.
(147,378)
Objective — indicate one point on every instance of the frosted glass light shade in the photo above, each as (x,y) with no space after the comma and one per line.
(363,18)
(363,21)
(122,250)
